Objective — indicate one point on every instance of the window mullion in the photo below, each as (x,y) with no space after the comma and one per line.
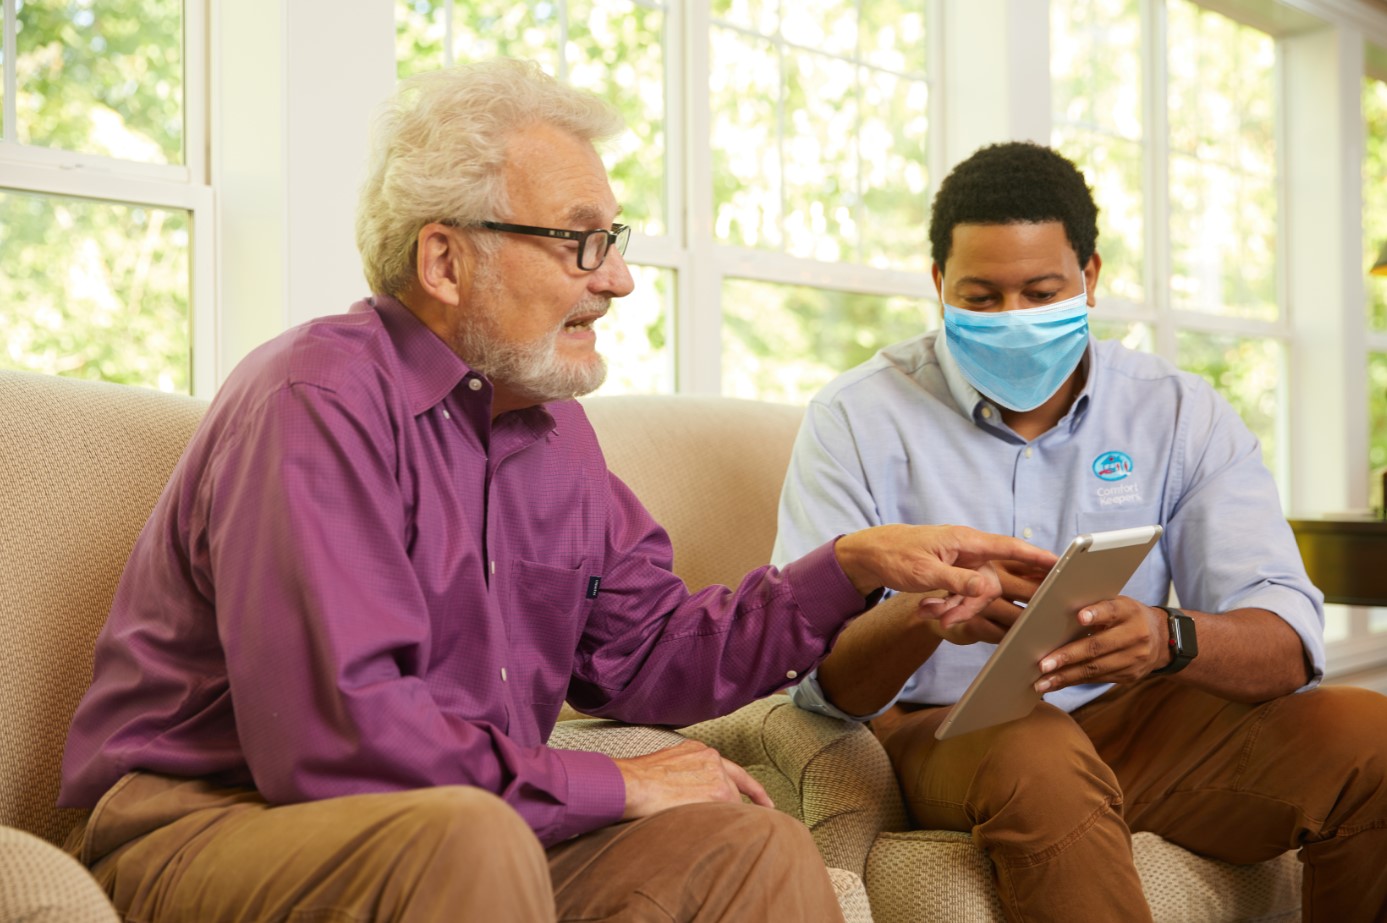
(448,55)
(698,346)
(562,51)
(196,54)
(1156,143)
(45,179)
(11,85)
(677,159)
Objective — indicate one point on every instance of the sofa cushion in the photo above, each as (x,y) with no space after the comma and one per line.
(721,512)
(39,883)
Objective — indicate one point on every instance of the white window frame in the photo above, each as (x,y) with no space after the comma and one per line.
(47,171)
(1362,651)
(698,335)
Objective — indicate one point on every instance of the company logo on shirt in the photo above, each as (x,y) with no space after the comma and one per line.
(1112,466)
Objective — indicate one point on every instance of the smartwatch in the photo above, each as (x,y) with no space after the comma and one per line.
(1183,646)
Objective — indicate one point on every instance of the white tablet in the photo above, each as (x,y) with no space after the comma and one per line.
(1095,566)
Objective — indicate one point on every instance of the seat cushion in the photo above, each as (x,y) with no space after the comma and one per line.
(941,875)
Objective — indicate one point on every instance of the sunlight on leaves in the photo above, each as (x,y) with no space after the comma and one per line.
(116,309)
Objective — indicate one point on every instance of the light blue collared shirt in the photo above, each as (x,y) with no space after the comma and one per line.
(905,438)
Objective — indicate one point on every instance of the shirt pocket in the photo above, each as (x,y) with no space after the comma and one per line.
(550,605)
(1151,583)
(1123,518)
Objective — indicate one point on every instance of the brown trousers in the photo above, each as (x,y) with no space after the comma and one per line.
(183,850)
(1053,798)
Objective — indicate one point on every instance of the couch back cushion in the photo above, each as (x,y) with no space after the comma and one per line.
(709,469)
(81,465)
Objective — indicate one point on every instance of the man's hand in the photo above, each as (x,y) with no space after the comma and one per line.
(1018,581)
(1126,641)
(690,773)
(915,559)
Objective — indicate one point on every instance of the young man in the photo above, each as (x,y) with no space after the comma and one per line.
(391,552)
(1011,419)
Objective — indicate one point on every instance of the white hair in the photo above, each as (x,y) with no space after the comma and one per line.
(438,149)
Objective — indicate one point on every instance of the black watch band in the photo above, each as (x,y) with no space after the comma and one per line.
(1183,645)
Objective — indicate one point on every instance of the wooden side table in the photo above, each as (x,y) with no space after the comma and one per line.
(1346,557)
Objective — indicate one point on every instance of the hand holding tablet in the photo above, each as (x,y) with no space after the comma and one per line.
(1095,566)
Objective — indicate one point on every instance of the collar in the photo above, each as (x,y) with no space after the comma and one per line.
(429,369)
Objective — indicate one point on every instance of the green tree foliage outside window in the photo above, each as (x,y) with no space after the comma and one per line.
(1374,237)
(820,129)
(1248,372)
(101,77)
(1096,96)
(95,290)
(1221,105)
(1377,424)
(784,343)
(1375,195)
(88,288)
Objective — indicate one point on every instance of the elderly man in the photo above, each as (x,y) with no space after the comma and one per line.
(1223,744)
(392,551)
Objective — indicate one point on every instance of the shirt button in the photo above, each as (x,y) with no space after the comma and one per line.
(503,674)
(1028,452)
(1026,532)
(790,674)
(493,567)
(475,384)
(987,413)
(446,414)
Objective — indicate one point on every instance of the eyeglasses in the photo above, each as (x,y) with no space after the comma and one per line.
(593,246)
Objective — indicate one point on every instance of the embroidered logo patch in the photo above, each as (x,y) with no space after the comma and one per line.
(1112,466)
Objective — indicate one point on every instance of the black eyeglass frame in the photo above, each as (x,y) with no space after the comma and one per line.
(616,236)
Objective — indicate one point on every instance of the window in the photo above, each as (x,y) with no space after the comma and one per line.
(103,193)
(1357,624)
(1188,189)
(790,243)
(1374,239)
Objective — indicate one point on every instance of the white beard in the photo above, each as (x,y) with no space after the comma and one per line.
(532,371)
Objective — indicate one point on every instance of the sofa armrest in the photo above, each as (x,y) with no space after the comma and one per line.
(833,775)
(39,883)
(625,740)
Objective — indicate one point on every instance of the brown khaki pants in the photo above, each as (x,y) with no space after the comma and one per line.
(182,850)
(1053,797)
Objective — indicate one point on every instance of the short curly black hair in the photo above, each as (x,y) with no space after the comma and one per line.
(1016,182)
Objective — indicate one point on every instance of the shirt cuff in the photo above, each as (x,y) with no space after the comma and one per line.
(596,794)
(809,695)
(822,591)
(1304,615)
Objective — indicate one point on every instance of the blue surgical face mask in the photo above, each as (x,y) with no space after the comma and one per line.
(1019,358)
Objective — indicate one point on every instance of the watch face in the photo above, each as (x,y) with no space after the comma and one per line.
(1183,646)
(1182,631)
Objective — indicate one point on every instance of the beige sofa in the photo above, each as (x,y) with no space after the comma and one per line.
(80,467)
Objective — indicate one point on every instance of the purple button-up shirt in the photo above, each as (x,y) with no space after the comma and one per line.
(356,582)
